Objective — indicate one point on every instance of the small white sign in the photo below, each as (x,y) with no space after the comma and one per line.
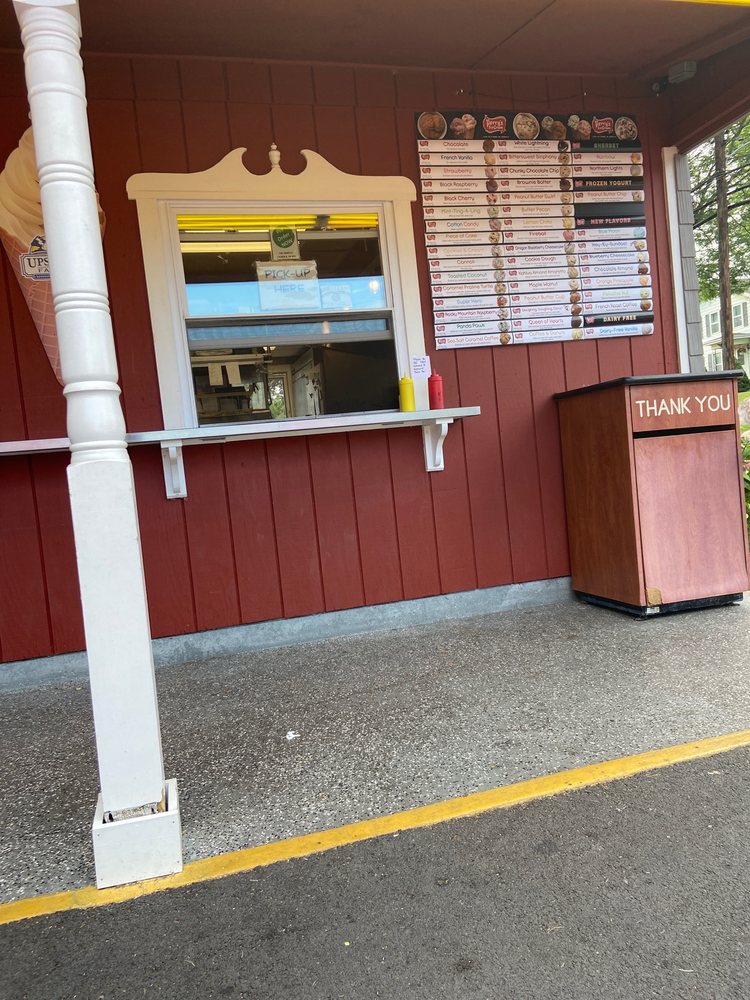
(299,270)
(421,366)
(288,286)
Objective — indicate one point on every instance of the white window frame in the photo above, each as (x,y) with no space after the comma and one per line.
(229,188)
(714,360)
(739,315)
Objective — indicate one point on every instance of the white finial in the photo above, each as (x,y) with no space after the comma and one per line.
(274,156)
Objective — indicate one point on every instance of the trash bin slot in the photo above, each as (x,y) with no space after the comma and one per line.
(676,431)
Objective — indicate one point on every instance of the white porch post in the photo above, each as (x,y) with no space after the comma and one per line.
(136,827)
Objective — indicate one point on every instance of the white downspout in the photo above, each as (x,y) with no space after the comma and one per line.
(669,154)
(136,827)
(682,263)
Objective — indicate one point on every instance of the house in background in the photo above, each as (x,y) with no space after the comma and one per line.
(711,328)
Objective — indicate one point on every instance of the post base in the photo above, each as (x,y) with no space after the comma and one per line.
(130,850)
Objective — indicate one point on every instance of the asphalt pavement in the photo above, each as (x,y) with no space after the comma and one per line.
(633,889)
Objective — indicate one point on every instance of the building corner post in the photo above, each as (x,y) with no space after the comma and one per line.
(136,828)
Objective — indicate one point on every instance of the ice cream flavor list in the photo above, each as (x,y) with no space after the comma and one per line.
(535,226)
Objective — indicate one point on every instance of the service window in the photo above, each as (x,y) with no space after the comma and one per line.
(277,296)
(304,333)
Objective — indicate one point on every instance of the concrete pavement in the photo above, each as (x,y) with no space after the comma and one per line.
(287,741)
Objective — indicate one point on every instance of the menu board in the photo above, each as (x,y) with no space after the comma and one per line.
(535,226)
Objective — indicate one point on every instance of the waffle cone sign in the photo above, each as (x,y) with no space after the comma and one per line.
(30,264)
(22,236)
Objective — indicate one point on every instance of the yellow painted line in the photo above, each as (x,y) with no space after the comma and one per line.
(730,3)
(410,819)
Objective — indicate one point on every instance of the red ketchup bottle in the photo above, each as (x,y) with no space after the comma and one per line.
(435,390)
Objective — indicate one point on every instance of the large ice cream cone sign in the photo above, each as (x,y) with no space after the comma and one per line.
(36,290)
(22,236)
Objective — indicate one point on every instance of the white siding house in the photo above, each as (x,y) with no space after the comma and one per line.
(711,327)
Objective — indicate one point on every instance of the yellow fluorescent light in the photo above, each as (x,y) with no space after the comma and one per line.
(238,247)
(730,3)
(242,223)
(248,223)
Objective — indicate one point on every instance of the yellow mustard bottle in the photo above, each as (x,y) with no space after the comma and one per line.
(406,394)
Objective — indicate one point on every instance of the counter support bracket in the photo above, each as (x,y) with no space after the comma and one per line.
(174,470)
(433,435)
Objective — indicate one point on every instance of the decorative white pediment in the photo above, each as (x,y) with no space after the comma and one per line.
(228,188)
(230,180)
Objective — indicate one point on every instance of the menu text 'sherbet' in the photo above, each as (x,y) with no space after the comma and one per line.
(535,227)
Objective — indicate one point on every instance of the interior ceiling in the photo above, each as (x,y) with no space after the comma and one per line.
(638,38)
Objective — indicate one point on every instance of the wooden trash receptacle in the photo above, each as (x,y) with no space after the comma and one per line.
(654,492)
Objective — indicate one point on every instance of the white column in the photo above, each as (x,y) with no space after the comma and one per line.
(100,478)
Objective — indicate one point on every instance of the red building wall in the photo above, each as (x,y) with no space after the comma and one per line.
(297,526)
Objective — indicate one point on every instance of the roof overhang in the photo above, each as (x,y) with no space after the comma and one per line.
(635,38)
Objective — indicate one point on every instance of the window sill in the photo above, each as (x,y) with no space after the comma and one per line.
(434,424)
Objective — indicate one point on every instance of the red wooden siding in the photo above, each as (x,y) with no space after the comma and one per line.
(297,526)
(253,531)
(165,552)
(336,522)
(23,600)
(58,554)
(484,470)
(12,414)
(376,520)
(296,536)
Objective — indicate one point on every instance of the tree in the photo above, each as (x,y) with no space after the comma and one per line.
(705,209)
(722,233)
